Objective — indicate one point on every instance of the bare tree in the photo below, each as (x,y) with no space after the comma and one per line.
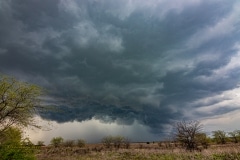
(18,101)
(186,133)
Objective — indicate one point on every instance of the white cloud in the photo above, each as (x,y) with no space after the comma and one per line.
(221,28)
(227,122)
(232,64)
(229,99)
(121,9)
(114,43)
(86,34)
(224,71)
(72,7)
(39,36)
(124,8)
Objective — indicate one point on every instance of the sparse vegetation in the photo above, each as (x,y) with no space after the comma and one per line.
(147,152)
(115,141)
(57,141)
(114,148)
(107,141)
(68,143)
(81,143)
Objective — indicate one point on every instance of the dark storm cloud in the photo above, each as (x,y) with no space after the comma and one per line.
(124,60)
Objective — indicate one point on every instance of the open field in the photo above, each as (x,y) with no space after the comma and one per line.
(139,151)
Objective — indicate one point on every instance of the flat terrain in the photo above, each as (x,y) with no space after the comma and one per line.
(139,151)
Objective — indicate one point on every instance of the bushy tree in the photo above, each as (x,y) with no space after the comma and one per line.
(11,136)
(186,133)
(118,141)
(203,140)
(12,146)
(18,103)
(220,136)
(69,143)
(81,143)
(235,136)
(57,141)
(115,141)
(107,141)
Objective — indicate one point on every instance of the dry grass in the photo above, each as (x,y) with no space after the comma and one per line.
(139,151)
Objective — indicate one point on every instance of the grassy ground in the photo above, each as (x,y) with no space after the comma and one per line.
(139,152)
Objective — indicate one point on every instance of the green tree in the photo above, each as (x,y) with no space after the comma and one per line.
(18,103)
(203,140)
(235,136)
(11,136)
(12,146)
(57,141)
(220,136)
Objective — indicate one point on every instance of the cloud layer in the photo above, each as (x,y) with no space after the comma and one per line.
(153,62)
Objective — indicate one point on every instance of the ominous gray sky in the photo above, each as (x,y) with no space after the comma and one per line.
(128,61)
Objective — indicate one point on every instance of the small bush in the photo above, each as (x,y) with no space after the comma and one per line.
(107,141)
(68,143)
(126,143)
(16,152)
(40,143)
(57,141)
(81,143)
(116,141)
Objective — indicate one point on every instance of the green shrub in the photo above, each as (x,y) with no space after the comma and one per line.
(68,143)
(17,152)
(107,141)
(13,148)
(40,143)
(81,143)
(116,141)
(57,141)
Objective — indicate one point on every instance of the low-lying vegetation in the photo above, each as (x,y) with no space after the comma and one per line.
(139,151)
(188,143)
(221,146)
